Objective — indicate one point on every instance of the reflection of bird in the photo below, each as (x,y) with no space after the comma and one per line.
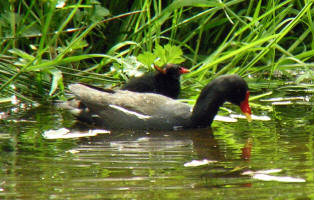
(205,144)
(165,81)
(132,110)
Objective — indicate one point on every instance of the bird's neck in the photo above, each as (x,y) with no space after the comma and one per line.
(205,109)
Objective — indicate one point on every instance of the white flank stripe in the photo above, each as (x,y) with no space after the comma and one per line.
(140,116)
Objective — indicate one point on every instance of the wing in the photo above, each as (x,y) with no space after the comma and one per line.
(126,108)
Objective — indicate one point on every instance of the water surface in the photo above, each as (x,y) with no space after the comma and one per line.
(159,165)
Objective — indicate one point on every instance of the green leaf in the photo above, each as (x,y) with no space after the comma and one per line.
(78,45)
(21,54)
(99,13)
(168,54)
(175,54)
(56,79)
(196,3)
(308,75)
(160,53)
(147,58)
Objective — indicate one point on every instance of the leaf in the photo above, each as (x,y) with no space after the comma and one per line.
(147,58)
(49,63)
(308,75)
(78,45)
(168,54)
(175,54)
(160,53)
(196,3)
(116,48)
(56,79)
(99,13)
(21,54)
(132,67)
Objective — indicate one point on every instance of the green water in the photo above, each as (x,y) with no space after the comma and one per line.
(151,165)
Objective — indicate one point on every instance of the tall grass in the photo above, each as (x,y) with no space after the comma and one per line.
(46,44)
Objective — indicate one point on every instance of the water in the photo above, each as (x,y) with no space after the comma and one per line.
(155,165)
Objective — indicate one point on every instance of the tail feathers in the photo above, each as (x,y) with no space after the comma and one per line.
(80,111)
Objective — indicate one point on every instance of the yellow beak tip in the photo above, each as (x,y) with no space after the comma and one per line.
(248,117)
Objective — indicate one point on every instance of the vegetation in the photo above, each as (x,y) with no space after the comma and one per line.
(46,44)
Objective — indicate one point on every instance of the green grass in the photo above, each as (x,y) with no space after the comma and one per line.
(44,45)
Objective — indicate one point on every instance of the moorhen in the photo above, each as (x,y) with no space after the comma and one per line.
(132,110)
(165,81)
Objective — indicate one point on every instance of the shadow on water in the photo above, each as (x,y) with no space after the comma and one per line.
(219,163)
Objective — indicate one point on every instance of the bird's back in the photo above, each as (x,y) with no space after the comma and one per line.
(146,83)
(132,110)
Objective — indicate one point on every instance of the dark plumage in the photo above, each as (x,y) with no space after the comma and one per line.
(132,110)
(165,81)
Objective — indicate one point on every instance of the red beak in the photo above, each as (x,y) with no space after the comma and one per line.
(245,107)
(184,70)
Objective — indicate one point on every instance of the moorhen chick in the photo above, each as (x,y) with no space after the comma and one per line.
(165,81)
(123,109)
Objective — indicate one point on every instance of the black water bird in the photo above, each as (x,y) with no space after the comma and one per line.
(122,109)
(165,81)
